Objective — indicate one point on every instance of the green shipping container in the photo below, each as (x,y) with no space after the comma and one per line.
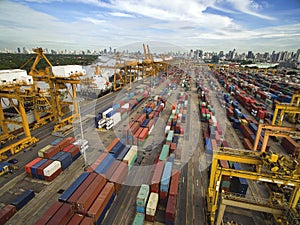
(164,153)
(143,195)
(170,136)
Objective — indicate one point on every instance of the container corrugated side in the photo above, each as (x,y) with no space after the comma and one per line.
(152,204)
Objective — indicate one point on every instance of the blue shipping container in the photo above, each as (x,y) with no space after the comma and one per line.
(140,209)
(67,193)
(122,154)
(144,124)
(35,166)
(166,177)
(208,146)
(105,209)
(23,199)
(56,141)
(65,159)
(117,148)
(105,164)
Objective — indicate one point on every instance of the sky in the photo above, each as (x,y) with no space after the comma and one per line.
(210,25)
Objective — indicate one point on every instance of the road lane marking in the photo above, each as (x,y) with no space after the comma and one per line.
(197,182)
(182,179)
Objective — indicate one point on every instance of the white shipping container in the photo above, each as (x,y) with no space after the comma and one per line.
(152,204)
(15,76)
(52,168)
(68,70)
(214,120)
(167,129)
(125,106)
(130,156)
(162,105)
(116,118)
(107,111)
(151,129)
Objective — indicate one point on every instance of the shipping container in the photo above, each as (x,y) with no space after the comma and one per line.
(165,180)
(51,151)
(49,213)
(117,149)
(64,158)
(171,210)
(111,145)
(35,166)
(174,183)
(73,187)
(142,198)
(41,152)
(151,207)
(23,199)
(112,169)
(62,216)
(6,213)
(164,153)
(30,164)
(131,156)
(99,208)
(90,194)
(122,154)
(51,168)
(81,189)
(139,219)
(76,219)
(157,176)
(105,164)
(97,162)
(119,176)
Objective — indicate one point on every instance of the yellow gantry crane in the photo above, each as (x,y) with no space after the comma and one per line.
(58,89)
(17,95)
(287,214)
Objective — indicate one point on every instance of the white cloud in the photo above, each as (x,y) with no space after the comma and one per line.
(119,14)
(249,7)
(93,20)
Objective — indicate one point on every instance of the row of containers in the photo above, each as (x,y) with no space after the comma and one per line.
(261,87)
(53,159)
(248,127)
(253,98)
(89,197)
(111,116)
(163,188)
(211,136)
(10,210)
(138,129)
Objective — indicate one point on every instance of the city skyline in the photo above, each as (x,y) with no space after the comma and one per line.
(244,25)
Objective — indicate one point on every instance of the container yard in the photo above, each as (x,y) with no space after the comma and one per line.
(175,141)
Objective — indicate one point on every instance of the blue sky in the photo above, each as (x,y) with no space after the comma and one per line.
(211,25)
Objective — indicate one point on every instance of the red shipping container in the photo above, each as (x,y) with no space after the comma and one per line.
(49,213)
(101,202)
(76,219)
(97,162)
(247,143)
(30,164)
(134,128)
(51,152)
(81,189)
(119,176)
(6,213)
(112,169)
(53,176)
(174,183)
(87,221)
(136,135)
(127,128)
(246,131)
(111,145)
(173,147)
(62,216)
(218,139)
(224,164)
(72,149)
(157,176)
(143,133)
(64,143)
(41,168)
(90,194)
(171,208)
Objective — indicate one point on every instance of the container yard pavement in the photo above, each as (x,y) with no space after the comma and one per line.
(193,183)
